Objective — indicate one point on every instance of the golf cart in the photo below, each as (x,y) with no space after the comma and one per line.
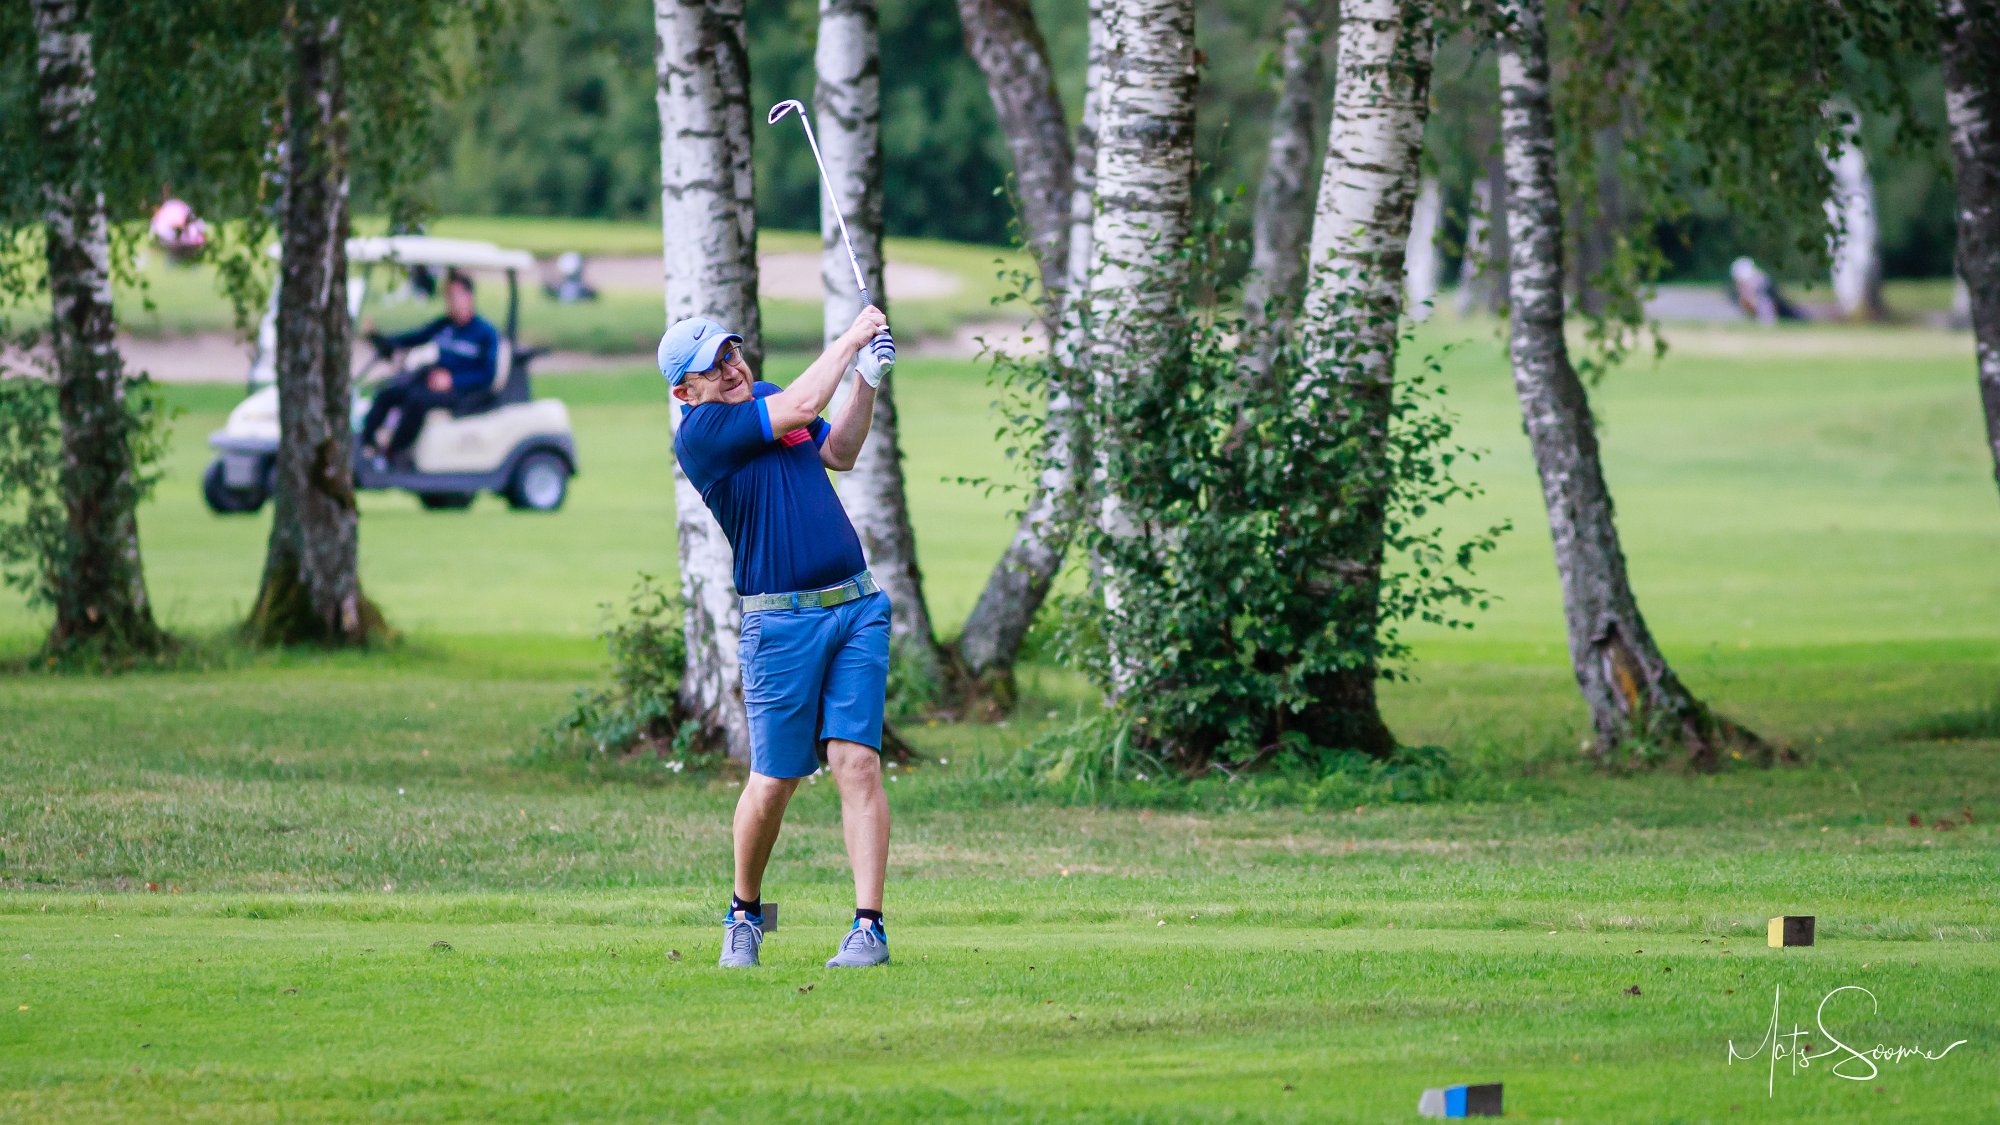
(503,440)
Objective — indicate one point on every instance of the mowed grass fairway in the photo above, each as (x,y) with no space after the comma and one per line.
(1812,532)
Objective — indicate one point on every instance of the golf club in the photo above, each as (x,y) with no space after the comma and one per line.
(776,115)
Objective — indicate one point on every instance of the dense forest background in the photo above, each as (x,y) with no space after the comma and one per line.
(561,121)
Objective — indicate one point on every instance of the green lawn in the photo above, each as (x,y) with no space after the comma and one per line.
(1811,526)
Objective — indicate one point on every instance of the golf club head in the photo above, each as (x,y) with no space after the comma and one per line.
(779,111)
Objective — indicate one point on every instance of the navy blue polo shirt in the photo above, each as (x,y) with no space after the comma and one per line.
(770,494)
(471,351)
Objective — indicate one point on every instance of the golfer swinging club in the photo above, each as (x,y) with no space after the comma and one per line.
(815,649)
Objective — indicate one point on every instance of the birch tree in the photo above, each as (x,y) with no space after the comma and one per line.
(709,227)
(1145,182)
(1854,242)
(1282,217)
(1021,579)
(1353,297)
(1004,39)
(96,578)
(311,589)
(1632,693)
(1421,261)
(1970,34)
(847,101)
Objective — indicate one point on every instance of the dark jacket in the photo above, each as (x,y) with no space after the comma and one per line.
(471,353)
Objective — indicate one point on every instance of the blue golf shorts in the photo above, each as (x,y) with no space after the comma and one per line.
(814,674)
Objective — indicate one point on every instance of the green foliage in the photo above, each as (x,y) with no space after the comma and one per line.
(1107,760)
(1733,104)
(32,523)
(1245,496)
(639,715)
(38,545)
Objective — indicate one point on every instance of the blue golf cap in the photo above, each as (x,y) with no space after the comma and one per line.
(690,345)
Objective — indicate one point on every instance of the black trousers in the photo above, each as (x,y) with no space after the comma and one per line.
(411,392)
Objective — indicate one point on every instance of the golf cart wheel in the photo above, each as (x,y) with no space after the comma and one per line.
(446,501)
(224,500)
(541,482)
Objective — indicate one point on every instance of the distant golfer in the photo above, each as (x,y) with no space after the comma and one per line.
(815,649)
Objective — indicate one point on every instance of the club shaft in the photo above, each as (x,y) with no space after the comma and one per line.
(826,181)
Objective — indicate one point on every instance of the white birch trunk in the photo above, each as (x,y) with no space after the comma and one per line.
(1853,237)
(847,103)
(709,228)
(1970,33)
(1004,39)
(1348,321)
(1283,215)
(100,587)
(1020,581)
(1421,261)
(1627,684)
(1145,180)
(1472,264)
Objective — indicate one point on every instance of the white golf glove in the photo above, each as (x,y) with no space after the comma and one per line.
(876,358)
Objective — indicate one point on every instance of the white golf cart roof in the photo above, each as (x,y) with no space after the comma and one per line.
(423,250)
(400,250)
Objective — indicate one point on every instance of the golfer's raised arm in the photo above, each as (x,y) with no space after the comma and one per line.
(798,404)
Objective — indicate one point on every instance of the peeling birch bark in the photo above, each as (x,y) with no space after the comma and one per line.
(1282,216)
(1632,693)
(1145,178)
(1004,39)
(709,228)
(847,102)
(1348,321)
(1020,581)
(100,592)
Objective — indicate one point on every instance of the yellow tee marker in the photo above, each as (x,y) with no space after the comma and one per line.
(1792,929)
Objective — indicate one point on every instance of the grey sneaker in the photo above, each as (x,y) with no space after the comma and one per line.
(741,935)
(864,945)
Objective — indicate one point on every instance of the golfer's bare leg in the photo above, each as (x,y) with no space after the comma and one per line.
(864,817)
(759,813)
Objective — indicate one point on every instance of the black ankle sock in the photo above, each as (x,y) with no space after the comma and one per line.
(753,906)
(874,916)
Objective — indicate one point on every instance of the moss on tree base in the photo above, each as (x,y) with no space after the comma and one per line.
(284,615)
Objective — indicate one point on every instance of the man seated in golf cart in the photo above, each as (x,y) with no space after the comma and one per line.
(468,353)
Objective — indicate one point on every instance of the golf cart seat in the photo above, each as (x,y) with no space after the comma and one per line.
(475,443)
(510,383)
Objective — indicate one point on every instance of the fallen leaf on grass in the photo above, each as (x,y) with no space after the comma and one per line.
(1632,991)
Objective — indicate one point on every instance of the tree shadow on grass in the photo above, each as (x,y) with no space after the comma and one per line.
(1976,723)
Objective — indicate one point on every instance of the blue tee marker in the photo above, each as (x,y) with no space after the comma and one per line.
(1461,1101)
